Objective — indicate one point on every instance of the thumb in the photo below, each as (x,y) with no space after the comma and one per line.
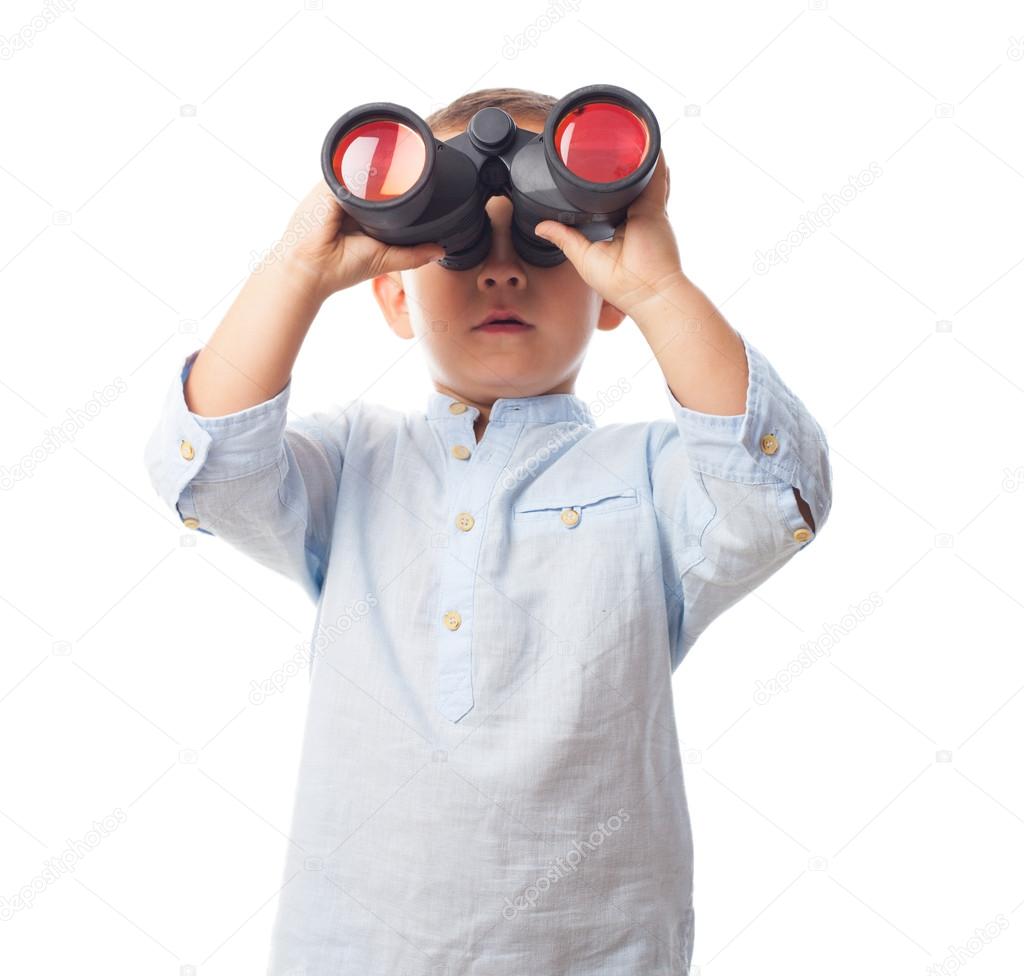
(567,239)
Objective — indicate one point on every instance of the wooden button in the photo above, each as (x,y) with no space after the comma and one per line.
(460,451)
(187,450)
(190,523)
(570,516)
(802,535)
(452,619)
(457,407)
(465,521)
(769,444)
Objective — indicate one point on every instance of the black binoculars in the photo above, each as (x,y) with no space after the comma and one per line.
(403,186)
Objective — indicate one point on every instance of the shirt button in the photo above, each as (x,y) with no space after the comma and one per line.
(465,521)
(570,516)
(769,444)
(190,523)
(187,450)
(452,620)
(802,535)
(460,451)
(457,407)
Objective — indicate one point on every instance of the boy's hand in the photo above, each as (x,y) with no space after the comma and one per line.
(639,262)
(323,245)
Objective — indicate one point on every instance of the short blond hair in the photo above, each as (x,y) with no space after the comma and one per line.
(520,103)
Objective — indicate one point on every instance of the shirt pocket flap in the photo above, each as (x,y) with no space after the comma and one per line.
(592,500)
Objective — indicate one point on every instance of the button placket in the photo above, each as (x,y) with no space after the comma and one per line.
(472,487)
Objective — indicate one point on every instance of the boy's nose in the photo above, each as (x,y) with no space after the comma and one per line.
(502,265)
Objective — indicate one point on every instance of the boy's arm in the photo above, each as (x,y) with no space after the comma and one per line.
(267,489)
(741,480)
(222,453)
(713,374)
(737,495)
(728,474)
(250,356)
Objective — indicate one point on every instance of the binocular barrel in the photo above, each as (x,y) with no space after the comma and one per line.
(403,186)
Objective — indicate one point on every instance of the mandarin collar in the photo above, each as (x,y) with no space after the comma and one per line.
(545,408)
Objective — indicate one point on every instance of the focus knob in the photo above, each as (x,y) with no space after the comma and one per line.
(491,130)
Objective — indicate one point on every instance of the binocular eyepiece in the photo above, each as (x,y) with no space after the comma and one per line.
(403,186)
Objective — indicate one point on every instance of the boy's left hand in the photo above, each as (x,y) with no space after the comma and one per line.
(642,258)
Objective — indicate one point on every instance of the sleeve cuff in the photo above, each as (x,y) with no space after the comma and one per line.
(185,444)
(775,440)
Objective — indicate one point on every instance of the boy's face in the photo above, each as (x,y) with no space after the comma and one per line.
(442,307)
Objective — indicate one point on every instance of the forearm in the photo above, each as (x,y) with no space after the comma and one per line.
(700,354)
(250,356)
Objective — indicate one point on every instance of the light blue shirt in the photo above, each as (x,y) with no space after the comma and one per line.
(491,780)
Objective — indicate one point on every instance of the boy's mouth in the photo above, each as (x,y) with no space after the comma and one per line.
(503,320)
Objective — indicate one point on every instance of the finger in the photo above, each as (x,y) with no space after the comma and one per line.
(322,207)
(567,239)
(348,225)
(406,258)
(655,194)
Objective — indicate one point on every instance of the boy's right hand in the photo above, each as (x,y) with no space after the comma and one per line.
(323,244)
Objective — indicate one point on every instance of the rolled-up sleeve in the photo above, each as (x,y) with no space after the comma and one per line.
(266,486)
(723,489)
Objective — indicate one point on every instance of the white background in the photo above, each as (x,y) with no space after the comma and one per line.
(868,819)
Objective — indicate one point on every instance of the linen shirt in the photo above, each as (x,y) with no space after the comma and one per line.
(490,780)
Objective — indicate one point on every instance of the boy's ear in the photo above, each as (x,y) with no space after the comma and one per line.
(390,295)
(609,317)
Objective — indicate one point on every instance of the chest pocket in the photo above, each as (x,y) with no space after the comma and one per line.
(570,509)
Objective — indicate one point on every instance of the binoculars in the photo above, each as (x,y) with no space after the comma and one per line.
(403,186)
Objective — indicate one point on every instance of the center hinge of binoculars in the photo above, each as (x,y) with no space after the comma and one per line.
(494,174)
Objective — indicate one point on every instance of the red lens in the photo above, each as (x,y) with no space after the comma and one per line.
(379,160)
(601,142)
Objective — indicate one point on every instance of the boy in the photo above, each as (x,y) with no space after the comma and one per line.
(490,780)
